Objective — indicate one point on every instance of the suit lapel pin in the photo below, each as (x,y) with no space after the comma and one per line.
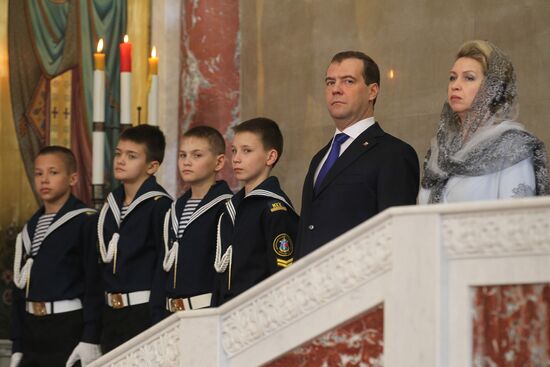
(365,143)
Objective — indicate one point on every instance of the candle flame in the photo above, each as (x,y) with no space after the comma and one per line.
(154,52)
(100,45)
(125,38)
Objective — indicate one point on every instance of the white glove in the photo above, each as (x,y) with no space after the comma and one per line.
(15,359)
(85,352)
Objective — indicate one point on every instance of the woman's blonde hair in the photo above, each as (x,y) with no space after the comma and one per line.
(478,50)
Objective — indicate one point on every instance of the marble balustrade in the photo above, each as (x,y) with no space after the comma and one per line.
(442,285)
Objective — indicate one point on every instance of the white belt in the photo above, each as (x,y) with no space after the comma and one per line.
(191,303)
(121,300)
(48,308)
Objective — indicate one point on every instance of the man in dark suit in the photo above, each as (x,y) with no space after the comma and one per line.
(362,170)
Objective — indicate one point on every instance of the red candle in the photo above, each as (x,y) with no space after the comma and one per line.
(125,55)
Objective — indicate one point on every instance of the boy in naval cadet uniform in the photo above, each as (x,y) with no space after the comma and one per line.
(130,236)
(57,302)
(257,230)
(190,224)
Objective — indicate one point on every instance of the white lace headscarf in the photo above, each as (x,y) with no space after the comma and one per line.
(489,139)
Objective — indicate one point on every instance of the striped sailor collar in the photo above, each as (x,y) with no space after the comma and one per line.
(217,193)
(219,188)
(270,187)
(114,203)
(72,203)
(72,208)
(150,184)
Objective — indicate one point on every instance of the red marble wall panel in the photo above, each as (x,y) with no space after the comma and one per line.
(210,69)
(511,325)
(359,342)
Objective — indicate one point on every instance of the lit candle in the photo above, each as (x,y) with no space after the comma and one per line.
(152,98)
(99,83)
(125,55)
(99,56)
(98,134)
(154,62)
(125,82)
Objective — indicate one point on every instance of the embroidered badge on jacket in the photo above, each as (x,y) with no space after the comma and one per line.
(277,206)
(282,245)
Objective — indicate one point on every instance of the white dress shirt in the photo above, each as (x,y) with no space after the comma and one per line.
(353,132)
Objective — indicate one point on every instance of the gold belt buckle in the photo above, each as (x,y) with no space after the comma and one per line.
(39,308)
(176,304)
(116,300)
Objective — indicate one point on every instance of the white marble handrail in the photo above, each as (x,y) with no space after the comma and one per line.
(420,261)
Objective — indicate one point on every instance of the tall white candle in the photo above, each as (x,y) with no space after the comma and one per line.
(98,135)
(125,81)
(152,101)
(125,97)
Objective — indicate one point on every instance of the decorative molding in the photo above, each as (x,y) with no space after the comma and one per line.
(508,233)
(161,350)
(321,284)
(347,267)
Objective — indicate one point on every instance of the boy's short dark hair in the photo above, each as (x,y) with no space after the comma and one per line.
(66,154)
(213,136)
(267,130)
(151,137)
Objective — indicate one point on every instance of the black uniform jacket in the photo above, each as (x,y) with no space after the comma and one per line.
(262,238)
(140,243)
(375,172)
(64,268)
(193,272)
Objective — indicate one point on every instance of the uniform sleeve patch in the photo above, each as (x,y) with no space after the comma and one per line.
(277,206)
(282,245)
(284,263)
